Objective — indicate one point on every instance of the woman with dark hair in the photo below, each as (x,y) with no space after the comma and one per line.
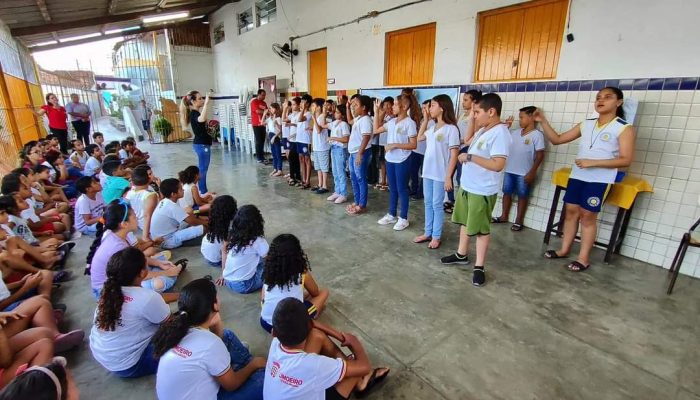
(199,359)
(193,113)
(127,317)
(58,119)
(52,381)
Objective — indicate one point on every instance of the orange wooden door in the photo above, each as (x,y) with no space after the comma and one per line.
(318,73)
(423,55)
(499,45)
(543,30)
(410,56)
(26,124)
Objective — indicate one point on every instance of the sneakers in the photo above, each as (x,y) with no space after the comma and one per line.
(479,276)
(333,197)
(401,224)
(341,200)
(455,258)
(387,219)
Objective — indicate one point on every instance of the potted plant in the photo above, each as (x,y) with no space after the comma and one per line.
(163,127)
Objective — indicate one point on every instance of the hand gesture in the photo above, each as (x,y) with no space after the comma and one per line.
(349,340)
(509,121)
(538,115)
(6,317)
(358,161)
(389,147)
(31,281)
(426,113)
(377,105)
(448,184)
(529,178)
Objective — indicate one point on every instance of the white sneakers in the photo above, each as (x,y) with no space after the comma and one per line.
(340,200)
(387,219)
(401,224)
(333,197)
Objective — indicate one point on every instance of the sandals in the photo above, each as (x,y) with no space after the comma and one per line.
(62,276)
(384,188)
(425,239)
(552,254)
(432,246)
(448,207)
(373,381)
(516,227)
(497,220)
(576,266)
(183,263)
(356,210)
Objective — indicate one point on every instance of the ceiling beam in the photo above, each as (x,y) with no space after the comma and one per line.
(108,19)
(44,10)
(112,6)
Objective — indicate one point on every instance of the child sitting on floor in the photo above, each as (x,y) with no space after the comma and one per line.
(143,200)
(168,218)
(246,249)
(223,209)
(90,205)
(93,165)
(32,383)
(192,200)
(115,185)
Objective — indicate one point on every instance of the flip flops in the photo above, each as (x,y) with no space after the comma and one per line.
(373,381)
(425,239)
(516,227)
(576,266)
(183,263)
(552,254)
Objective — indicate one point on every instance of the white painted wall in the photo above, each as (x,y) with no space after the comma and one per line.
(614,39)
(193,70)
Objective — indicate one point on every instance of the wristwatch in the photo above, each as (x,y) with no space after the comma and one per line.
(469,157)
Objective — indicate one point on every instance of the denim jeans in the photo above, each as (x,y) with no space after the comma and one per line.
(434,193)
(176,238)
(251,285)
(397,175)
(416,186)
(203,152)
(146,365)
(339,156)
(276,149)
(252,388)
(358,175)
(458,172)
(167,282)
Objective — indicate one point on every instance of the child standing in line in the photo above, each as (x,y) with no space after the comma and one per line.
(415,186)
(90,205)
(168,217)
(360,151)
(524,158)
(273,122)
(400,135)
(192,200)
(290,115)
(287,274)
(442,148)
(285,135)
(482,175)
(378,165)
(245,249)
(223,209)
(340,134)
(321,147)
(304,122)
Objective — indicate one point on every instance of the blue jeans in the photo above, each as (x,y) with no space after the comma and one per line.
(397,176)
(251,285)
(358,175)
(416,186)
(434,192)
(458,172)
(203,152)
(276,149)
(339,156)
(252,388)
(146,365)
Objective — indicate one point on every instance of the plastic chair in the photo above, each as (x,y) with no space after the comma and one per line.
(690,238)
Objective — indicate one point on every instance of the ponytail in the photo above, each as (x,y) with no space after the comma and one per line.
(619,112)
(185,105)
(170,333)
(95,245)
(414,111)
(122,270)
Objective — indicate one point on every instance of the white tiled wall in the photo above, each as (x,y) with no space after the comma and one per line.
(667,156)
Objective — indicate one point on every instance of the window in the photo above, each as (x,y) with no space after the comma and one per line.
(245,21)
(409,56)
(265,12)
(520,42)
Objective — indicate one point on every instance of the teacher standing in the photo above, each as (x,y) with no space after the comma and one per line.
(193,112)
(80,118)
(257,107)
(58,118)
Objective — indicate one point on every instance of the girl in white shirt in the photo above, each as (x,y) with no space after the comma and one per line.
(273,123)
(340,134)
(127,317)
(223,209)
(290,115)
(199,359)
(442,148)
(321,147)
(192,199)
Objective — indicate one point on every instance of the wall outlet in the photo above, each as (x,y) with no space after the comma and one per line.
(376,28)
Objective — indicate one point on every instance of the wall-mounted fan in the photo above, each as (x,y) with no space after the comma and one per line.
(285,51)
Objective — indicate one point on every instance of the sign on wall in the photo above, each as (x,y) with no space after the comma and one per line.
(219,34)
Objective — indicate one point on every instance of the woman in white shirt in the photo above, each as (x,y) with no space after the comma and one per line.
(127,317)
(199,359)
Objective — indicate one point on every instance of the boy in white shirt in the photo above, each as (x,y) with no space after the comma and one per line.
(79,157)
(304,363)
(90,206)
(525,157)
(170,221)
(482,176)
(93,165)
(99,139)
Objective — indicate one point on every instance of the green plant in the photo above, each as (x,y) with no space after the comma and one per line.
(163,127)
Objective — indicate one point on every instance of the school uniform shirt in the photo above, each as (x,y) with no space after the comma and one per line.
(30,213)
(438,143)
(303,135)
(136,198)
(82,159)
(320,137)
(36,193)
(270,125)
(166,218)
(187,199)
(143,310)
(87,206)
(463,126)
(211,250)
(360,128)
(399,132)
(114,188)
(188,371)
(521,155)
(52,171)
(285,130)
(110,244)
(340,129)
(598,143)
(292,374)
(4,291)
(123,154)
(273,296)
(241,265)
(382,138)
(486,144)
(293,119)
(102,178)
(22,230)
(91,166)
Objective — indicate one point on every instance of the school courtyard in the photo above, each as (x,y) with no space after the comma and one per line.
(535,331)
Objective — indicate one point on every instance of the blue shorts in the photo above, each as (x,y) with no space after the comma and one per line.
(310,307)
(587,195)
(286,144)
(515,184)
(303,149)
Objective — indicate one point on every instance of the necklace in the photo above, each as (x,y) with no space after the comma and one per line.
(602,128)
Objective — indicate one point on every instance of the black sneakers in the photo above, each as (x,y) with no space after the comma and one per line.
(479,276)
(455,258)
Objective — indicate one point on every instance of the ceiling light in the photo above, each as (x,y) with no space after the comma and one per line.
(71,39)
(50,42)
(112,31)
(165,17)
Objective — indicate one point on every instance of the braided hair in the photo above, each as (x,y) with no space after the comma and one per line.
(285,263)
(195,305)
(116,212)
(122,270)
(222,211)
(247,225)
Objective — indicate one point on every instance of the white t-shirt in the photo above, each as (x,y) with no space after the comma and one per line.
(91,166)
(241,266)
(292,374)
(303,135)
(22,230)
(4,291)
(188,371)
(463,126)
(143,310)
(285,131)
(123,154)
(438,143)
(493,143)
(399,132)
(320,138)
(211,250)
(522,151)
(293,119)
(270,124)
(360,128)
(598,143)
(36,193)
(272,297)
(187,199)
(52,171)
(166,218)
(81,159)
(340,129)
(30,213)
(86,206)
(102,177)
(136,198)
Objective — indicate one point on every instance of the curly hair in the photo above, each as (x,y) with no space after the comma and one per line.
(188,175)
(222,211)
(285,262)
(122,269)
(247,225)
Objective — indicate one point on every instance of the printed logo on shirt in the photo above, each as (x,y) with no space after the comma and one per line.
(400,130)
(291,381)
(593,201)
(605,137)
(480,145)
(527,141)
(182,352)
(128,299)
(275,369)
(439,137)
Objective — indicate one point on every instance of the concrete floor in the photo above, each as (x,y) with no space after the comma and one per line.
(536,331)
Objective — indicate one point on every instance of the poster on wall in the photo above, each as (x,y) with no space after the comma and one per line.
(422,94)
(269,83)
(219,34)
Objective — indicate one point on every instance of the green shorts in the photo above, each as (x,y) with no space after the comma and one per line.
(474,212)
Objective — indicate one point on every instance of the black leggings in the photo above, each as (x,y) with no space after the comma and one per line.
(294,167)
(62,135)
(259,133)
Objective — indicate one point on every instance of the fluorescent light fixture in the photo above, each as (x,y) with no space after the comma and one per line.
(74,38)
(197,17)
(112,31)
(50,42)
(165,17)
